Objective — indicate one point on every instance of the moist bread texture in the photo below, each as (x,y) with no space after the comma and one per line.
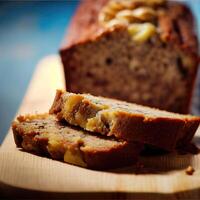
(45,135)
(124,120)
(151,60)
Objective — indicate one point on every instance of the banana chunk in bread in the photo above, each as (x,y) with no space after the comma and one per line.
(45,135)
(124,120)
(140,51)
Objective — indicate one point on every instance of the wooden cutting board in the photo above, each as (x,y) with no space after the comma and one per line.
(24,174)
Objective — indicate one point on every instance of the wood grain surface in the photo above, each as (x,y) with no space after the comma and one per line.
(26,175)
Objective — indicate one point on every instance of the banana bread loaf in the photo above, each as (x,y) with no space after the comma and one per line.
(44,135)
(141,51)
(124,120)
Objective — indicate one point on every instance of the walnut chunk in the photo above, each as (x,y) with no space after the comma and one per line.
(144,13)
(116,5)
(117,22)
(141,32)
(125,14)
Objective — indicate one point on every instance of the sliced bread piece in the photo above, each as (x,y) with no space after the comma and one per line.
(124,120)
(44,135)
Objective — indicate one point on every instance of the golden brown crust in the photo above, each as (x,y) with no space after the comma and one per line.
(57,101)
(84,24)
(164,133)
(176,26)
(127,121)
(46,136)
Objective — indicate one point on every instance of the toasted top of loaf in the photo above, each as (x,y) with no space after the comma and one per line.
(174,23)
(44,134)
(125,120)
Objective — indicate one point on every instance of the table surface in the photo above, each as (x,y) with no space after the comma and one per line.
(28,32)
(24,175)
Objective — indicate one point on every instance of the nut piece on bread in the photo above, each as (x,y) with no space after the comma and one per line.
(45,135)
(140,51)
(124,120)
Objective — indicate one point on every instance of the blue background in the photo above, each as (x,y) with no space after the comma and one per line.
(28,32)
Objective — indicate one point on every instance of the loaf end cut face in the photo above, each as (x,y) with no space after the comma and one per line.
(124,120)
(141,52)
(45,135)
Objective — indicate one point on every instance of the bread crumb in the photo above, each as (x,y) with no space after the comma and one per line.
(190,170)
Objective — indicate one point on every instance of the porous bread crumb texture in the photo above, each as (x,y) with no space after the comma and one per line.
(111,66)
(159,72)
(44,135)
(124,120)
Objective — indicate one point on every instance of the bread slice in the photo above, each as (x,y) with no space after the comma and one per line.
(124,120)
(44,135)
(105,59)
